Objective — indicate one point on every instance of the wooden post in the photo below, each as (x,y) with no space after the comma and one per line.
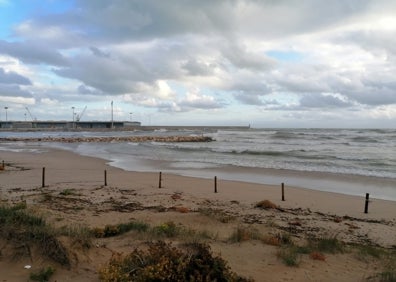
(43,178)
(215,184)
(160,180)
(105,178)
(283,191)
(366,203)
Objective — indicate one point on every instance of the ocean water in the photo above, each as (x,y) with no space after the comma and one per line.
(343,152)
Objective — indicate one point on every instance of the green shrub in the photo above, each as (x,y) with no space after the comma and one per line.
(68,192)
(43,275)
(163,262)
(289,256)
(168,229)
(115,230)
(329,245)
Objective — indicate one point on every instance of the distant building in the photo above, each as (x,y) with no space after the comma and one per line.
(67,125)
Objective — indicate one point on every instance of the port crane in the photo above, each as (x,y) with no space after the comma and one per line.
(79,116)
(30,114)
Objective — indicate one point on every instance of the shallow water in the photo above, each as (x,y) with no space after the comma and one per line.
(254,155)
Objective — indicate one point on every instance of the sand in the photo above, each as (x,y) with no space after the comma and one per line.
(136,196)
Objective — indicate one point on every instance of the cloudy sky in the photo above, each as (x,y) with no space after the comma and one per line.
(284,63)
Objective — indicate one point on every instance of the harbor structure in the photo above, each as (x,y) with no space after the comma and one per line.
(68,125)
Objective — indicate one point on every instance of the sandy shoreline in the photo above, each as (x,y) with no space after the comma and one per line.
(91,170)
(304,213)
(356,185)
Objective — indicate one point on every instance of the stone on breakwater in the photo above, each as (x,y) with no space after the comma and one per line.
(112,139)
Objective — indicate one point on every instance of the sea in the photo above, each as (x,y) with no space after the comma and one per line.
(349,161)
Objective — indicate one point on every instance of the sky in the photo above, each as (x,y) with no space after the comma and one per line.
(284,63)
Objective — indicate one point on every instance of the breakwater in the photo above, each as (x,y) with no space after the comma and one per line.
(135,139)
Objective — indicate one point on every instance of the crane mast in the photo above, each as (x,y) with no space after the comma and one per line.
(30,114)
(79,116)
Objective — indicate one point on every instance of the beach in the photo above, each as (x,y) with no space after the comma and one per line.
(128,195)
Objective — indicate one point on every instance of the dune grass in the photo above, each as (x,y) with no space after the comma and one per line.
(21,228)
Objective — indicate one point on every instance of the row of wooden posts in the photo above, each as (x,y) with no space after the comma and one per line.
(215,187)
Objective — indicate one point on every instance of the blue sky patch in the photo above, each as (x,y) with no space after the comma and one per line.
(285,56)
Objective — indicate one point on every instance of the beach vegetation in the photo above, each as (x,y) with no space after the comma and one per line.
(68,192)
(168,229)
(280,239)
(22,228)
(217,214)
(80,235)
(165,230)
(388,274)
(119,229)
(266,204)
(164,262)
(364,252)
(317,256)
(271,240)
(328,245)
(245,233)
(43,275)
(289,256)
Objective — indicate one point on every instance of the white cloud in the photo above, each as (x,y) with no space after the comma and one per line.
(17,100)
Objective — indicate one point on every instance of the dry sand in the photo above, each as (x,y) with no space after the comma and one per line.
(136,196)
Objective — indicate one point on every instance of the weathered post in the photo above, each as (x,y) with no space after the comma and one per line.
(366,203)
(160,180)
(283,191)
(43,178)
(105,178)
(215,184)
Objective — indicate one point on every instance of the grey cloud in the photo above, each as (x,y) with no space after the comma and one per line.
(375,88)
(135,19)
(304,79)
(126,20)
(110,76)
(201,104)
(150,19)
(248,99)
(32,53)
(14,91)
(374,96)
(196,68)
(240,57)
(316,80)
(370,40)
(323,101)
(13,78)
(99,53)
(250,93)
(83,89)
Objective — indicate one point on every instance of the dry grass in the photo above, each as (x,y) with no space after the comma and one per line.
(217,214)
(180,209)
(317,256)
(266,204)
(271,240)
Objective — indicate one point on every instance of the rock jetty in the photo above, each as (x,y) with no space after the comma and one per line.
(135,139)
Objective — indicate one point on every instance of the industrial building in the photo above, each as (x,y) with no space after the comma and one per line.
(66,125)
